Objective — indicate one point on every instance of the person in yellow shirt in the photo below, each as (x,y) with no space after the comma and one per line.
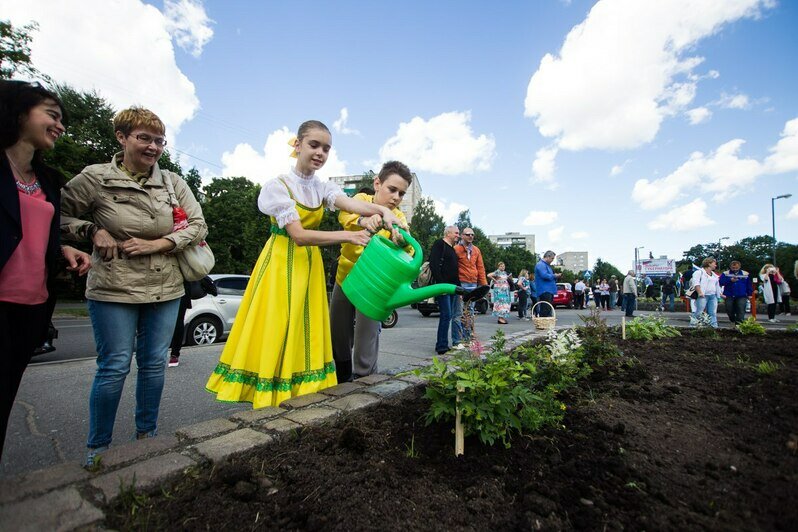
(356,338)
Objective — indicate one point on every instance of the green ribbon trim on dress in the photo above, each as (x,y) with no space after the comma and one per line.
(277,230)
(261,384)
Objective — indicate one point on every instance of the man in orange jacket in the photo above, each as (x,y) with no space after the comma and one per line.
(471,271)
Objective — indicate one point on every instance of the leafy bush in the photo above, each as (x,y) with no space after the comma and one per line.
(650,328)
(792,328)
(597,341)
(504,393)
(751,327)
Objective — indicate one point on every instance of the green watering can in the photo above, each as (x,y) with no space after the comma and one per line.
(380,279)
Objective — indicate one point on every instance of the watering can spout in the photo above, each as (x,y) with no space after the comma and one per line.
(406,295)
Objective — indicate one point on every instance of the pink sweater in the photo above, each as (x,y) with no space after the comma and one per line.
(24,277)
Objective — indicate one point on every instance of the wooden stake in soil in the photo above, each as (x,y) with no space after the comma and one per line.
(459,442)
(623,327)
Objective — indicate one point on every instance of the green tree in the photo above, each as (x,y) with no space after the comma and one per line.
(427,225)
(194,181)
(15,51)
(237,230)
(515,258)
(89,137)
(605,270)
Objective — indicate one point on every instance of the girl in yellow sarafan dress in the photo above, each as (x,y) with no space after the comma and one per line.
(280,344)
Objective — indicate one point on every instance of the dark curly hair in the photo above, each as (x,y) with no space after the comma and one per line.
(17,98)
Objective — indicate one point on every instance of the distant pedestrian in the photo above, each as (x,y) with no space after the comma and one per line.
(630,293)
(546,282)
(705,281)
(737,286)
(471,272)
(668,293)
(613,291)
(579,294)
(501,295)
(648,286)
(784,293)
(523,293)
(770,289)
(604,293)
(444,267)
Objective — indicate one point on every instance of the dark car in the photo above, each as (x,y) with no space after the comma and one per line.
(428,306)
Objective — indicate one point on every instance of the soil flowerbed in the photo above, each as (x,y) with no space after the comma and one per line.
(678,434)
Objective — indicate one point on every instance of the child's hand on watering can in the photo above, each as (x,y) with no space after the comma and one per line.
(360,238)
(371,223)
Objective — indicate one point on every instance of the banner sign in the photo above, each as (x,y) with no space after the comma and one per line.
(656,267)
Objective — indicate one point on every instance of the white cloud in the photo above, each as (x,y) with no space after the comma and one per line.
(684,218)
(275,159)
(444,144)
(98,46)
(448,211)
(544,166)
(722,173)
(619,168)
(555,235)
(753,219)
(188,24)
(580,235)
(698,115)
(793,214)
(624,69)
(541,218)
(340,124)
(784,155)
(734,101)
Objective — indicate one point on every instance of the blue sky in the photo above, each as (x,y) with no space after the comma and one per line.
(597,126)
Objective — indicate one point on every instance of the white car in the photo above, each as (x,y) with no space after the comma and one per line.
(210,318)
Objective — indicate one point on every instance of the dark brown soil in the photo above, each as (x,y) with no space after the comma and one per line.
(678,434)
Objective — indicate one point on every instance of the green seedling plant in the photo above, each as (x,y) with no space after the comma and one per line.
(793,328)
(596,336)
(766,367)
(650,328)
(410,449)
(504,393)
(751,327)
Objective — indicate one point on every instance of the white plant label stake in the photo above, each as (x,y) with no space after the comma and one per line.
(623,327)
(459,441)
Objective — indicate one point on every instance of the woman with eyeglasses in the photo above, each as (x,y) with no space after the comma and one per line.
(135,288)
(30,123)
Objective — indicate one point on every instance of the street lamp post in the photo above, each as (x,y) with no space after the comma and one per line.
(720,244)
(773,220)
(637,258)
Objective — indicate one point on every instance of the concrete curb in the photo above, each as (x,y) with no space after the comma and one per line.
(67,497)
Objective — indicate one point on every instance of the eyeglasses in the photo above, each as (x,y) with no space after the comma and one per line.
(149,139)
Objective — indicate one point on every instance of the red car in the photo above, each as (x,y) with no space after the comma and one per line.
(564,296)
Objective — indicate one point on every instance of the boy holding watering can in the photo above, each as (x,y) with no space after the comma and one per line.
(355,337)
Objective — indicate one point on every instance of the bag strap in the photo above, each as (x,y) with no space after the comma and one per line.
(170,189)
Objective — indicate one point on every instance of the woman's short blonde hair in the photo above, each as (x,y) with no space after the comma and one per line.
(707,261)
(138,117)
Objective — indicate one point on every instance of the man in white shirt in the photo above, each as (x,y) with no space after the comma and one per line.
(579,294)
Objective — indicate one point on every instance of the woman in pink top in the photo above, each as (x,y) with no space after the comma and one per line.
(30,122)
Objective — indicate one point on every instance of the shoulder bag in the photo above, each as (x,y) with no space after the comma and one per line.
(195,260)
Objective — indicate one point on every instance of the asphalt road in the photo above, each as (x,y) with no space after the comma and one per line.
(49,421)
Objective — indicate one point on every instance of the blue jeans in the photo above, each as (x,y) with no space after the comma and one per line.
(117,328)
(460,333)
(613,299)
(446,304)
(710,304)
(629,304)
(672,298)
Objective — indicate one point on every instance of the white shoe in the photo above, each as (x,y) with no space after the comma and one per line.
(458,347)
(773,320)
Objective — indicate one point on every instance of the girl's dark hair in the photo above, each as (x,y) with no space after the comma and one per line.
(17,98)
(307,126)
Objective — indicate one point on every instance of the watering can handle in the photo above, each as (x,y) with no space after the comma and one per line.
(418,255)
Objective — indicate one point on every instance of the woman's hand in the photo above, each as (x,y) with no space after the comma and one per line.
(138,246)
(359,238)
(389,219)
(105,244)
(77,260)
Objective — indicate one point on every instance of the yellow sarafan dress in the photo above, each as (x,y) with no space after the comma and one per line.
(280,344)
